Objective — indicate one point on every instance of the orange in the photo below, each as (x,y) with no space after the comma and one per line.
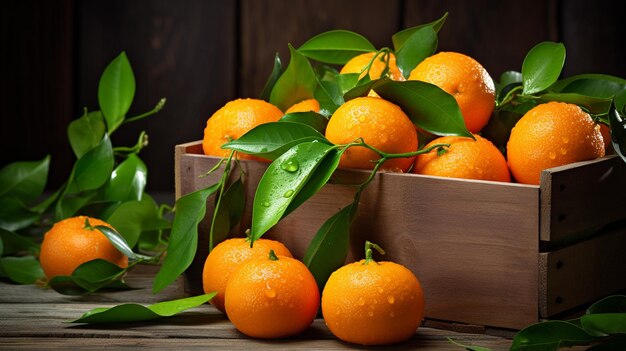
(233,120)
(464,158)
(466,80)
(74,241)
(272,297)
(373,303)
(227,256)
(358,64)
(304,106)
(606,137)
(381,124)
(550,135)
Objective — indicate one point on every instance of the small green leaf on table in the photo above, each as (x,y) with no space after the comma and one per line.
(138,313)
(336,46)
(22,270)
(90,277)
(468,347)
(550,335)
(542,66)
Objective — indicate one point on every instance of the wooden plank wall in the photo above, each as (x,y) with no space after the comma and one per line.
(200,54)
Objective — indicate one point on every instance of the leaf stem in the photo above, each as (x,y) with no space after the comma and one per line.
(159,106)
(509,96)
(223,181)
(368,251)
(142,142)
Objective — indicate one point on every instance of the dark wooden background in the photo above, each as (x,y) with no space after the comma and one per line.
(200,54)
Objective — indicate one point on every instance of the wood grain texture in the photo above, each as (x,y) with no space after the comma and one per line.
(581,197)
(185,52)
(37,84)
(498,34)
(583,273)
(267,27)
(435,226)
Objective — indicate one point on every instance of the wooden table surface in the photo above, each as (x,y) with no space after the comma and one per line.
(35,318)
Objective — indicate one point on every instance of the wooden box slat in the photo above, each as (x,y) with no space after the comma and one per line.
(475,245)
(576,199)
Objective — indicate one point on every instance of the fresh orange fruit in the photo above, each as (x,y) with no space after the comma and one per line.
(466,80)
(233,120)
(304,106)
(74,241)
(358,64)
(464,158)
(381,124)
(373,303)
(272,297)
(227,256)
(550,135)
(606,137)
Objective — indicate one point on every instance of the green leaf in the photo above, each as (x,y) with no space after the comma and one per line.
(229,211)
(604,323)
(89,277)
(594,105)
(329,96)
(311,119)
(183,243)
(68,205)
(14,243)
(361,89)
(400,38)
(14,215)
(24,180)
(329,247)
(128,181)
(116,91)
(611,87)
(22,270)
(336,46)
(85,133)
(318,179)
(136,313)
(281,183)
(550,336)
(596,81)
(347,82)
(429,107)
(506,79)
(93,169)
(118,241)
(542,66)
(420,45)
(618,132)
(271,80)
(270,140)
(498,129)
(297,83)
(132,218)
(609,304)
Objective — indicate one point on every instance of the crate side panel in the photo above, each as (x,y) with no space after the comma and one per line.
(584,272)
(473,245)
(582,197)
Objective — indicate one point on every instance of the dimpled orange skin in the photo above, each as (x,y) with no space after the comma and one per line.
(378,303)
(233,120)
(68,244)
(227,256)
(464,158)
(358,63)
(304,106)
(381,124)
(272,299)
(550,135)
(466,80)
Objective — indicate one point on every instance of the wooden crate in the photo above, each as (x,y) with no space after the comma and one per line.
(487,253)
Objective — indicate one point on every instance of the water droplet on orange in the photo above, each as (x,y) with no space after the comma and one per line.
(361,301)
(552,155)
(391,299)
(271,293)
(370,313)
(563,151)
